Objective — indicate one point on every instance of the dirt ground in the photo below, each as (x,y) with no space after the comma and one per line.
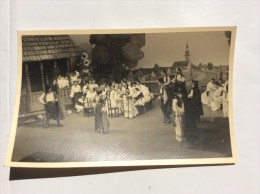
(145,137)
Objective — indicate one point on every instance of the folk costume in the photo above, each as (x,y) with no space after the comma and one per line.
(178,108)
(52,107)
(101,119)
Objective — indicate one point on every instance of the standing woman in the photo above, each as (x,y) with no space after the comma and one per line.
(178,108)
(101,120)
(195,101)
(130,111)
(52,106)
(193,112)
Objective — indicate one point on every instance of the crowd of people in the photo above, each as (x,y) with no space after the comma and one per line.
(130,98)
(181,107)
(216,95)
(184,107)
(125,98)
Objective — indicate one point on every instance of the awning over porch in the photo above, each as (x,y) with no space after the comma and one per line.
(48,47)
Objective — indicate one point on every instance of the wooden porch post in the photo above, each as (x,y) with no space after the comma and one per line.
(28,88)
(55,70)
(47,79)
(68,65)
(42,76)
(220,72)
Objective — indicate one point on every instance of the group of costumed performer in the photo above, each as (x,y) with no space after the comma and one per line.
(185,108)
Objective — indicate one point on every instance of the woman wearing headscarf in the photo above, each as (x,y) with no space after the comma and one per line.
(195,101)
(193,111)
(101,120)
(178,108)
(52,106)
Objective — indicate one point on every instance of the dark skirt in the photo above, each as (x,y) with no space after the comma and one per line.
(54,111)
(101,120)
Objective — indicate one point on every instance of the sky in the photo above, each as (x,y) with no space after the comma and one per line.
(166,48)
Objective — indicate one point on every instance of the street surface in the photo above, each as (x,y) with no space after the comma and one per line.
(145,137)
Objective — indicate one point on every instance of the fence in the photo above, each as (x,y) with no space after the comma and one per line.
(64,96)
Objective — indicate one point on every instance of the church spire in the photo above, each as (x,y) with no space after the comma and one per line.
(187,52)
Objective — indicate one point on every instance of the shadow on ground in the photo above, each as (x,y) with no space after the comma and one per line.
(215,136)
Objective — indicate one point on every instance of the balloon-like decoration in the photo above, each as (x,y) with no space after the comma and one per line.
(86,62)
(86,67)
(84,56)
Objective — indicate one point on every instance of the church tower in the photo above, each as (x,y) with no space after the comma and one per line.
(187,53)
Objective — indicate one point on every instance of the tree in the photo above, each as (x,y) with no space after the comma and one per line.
(86,47)
(112,51)
(194,66)
(228,35)
(210,66)
(156,69)
(200,66)
(132,50)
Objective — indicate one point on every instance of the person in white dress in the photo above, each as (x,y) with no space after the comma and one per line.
(92,83)
(113,97)
(66,83)
(130,110)
(91,93)
(217,98)
(74,76)
(75,92)
(145,91)
(79,106)
(206,96)
(178,108)
(85,88)
(138,97)
(59,82)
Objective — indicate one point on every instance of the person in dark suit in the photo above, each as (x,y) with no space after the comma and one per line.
(163,101)
(193,112)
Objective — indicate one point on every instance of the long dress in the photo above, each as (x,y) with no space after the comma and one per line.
(217,99)
(52,106)
(193,111)
(101,119)
(206,97)
(113,99)
(179,119)
(130,110)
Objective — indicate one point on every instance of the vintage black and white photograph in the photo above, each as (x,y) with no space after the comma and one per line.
(158,96)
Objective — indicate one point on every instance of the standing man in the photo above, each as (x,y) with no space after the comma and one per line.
(164,101)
